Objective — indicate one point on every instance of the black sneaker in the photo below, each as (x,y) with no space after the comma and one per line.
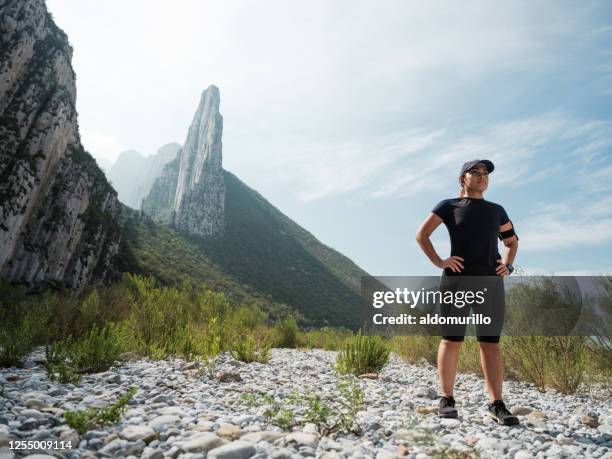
(446,407)
(498,411)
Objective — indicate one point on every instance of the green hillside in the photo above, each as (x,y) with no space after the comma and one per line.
(263,257)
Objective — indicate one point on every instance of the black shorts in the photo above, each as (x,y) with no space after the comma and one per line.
(487,302)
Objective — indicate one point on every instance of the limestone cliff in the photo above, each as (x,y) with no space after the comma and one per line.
(59,217)
(190,194)
(159,204)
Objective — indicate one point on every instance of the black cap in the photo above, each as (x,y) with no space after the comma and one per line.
(471,164)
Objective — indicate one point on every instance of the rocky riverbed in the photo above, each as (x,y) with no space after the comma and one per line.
(179,412)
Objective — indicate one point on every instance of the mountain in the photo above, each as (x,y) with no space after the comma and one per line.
(59,217)
(133,174)
(61,221)
(191,194)
(243,234)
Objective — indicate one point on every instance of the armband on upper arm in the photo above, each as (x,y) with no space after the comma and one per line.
(508,233)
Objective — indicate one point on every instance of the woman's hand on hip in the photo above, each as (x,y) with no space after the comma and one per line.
(501,269)
(453,263)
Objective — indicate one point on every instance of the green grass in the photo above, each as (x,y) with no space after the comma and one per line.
(94,418)
(334,414)
(363,354)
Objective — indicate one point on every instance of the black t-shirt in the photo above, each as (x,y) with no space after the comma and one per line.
(473,225)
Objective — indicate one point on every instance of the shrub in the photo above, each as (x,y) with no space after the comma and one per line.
(89,310)
(362,354)
(92,418)
(97,350)
(248,317)
(547,361)
(286,331)
(328,338)
(249,350)
(58,364)
(23,324)
(17,340)
(416,348)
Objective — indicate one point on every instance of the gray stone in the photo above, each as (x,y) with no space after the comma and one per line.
(563,440)
(330,455)
(161,423)
(150,453)
(34,403)
(112,447)
(267,435)
(488,444)
(228,376)
(238,449)
(449,422)
(133,433)
(29,424)
(385,454)
(519,410)
(302,438)
(202,442)
(95,443)
(30,413)
(282,453)
(135,448)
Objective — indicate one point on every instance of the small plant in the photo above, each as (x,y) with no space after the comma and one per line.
(92,418)
(248,350)
(58,365)
(212,347)
(336,415)
(362,354)
(274,412)
(284,419)
(339,415)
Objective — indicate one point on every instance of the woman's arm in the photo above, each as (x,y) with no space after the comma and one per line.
(510,249)
(422,237)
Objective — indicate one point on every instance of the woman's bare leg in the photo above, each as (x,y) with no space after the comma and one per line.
(448,357)
(492,367)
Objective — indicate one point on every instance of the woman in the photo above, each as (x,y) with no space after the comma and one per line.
(474,225)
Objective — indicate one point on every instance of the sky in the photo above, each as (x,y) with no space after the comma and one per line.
(353,118)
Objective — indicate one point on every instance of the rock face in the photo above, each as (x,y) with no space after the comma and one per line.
(59,217)
(133,174)
(190,193)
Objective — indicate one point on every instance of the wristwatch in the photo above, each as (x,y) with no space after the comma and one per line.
(510,268)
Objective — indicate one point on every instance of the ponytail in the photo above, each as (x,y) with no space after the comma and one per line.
(462,192)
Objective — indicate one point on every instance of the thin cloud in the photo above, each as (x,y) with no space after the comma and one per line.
(399,167)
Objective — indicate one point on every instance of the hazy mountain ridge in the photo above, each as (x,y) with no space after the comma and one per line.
(133,174)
